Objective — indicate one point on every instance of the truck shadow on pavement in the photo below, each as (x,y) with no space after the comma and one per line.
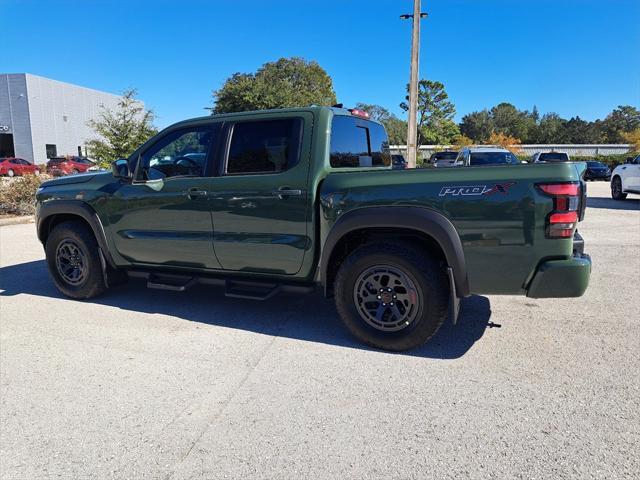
(610,203)
(308,317)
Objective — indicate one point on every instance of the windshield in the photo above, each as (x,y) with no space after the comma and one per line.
(492,158)
(554,157)
(595,164)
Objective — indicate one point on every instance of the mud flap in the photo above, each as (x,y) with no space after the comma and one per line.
(454,300)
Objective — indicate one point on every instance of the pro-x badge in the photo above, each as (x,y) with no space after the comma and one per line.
(475,190)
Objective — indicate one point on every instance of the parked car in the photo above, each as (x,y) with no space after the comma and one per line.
(394,247)
(485,155)
(69,165)
(550,157)
(597,171)
(445,158)
(398,162)
(625,179)
(17,166)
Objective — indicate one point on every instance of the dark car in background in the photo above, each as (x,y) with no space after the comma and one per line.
(597,171)
(398,162)
(69,165)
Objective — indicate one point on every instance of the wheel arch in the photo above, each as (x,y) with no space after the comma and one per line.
(424,226)
(54,212)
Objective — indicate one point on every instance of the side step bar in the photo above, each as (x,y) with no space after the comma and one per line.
(251,290)
(233,288)
(173,284)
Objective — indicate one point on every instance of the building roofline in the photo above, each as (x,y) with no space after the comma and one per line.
(27,75)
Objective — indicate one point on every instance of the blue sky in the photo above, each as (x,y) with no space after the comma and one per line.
(574,57)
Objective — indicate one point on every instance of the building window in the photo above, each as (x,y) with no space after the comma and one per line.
(79,151)
(52,150)
(6,145)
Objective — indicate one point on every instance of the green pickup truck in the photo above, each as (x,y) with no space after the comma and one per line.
(286,200)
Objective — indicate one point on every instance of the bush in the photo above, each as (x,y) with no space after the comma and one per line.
(17,196)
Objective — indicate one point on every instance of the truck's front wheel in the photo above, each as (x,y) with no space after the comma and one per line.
(73,260)
(391,296)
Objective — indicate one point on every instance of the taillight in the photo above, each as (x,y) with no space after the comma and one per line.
(561,223)
(560,188)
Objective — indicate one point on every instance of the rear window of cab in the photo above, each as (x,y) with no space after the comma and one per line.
(358,143)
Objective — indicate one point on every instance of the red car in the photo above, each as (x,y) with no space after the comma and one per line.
(17,166)
(68,165)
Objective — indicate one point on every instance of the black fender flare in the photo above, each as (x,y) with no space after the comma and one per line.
(419,219)
(77,208)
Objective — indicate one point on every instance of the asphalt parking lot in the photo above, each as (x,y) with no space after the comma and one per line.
(149,384)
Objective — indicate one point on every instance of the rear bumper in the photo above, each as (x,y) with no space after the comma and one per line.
(563,278)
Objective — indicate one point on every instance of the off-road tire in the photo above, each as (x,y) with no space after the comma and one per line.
(78,234)
(616,189)
(425,272)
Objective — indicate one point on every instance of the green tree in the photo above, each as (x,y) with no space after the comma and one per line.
(510,121)
(288,82)
(478,126)
(435,113)
(550,129)
(621,120)
(121,130)
(395,127)
(578,130)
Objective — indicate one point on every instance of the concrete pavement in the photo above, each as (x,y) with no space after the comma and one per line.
(148,384)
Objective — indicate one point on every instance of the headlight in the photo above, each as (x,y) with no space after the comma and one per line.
(39,190)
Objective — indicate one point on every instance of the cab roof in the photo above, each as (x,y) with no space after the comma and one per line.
(336,110)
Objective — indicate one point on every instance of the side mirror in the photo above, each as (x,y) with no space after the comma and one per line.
(120,168)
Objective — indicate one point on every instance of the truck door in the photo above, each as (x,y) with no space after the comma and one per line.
(260,198)
(164,216)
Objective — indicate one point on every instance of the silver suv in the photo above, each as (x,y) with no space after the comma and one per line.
(481,155)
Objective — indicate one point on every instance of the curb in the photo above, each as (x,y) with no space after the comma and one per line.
(16,220)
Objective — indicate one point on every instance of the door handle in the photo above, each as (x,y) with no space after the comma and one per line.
(194,193)
(284,192)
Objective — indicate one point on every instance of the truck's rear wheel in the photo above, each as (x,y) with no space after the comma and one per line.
(73,260)
(391,296)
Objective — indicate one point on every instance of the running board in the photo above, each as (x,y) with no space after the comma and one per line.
(233,288)
(251,290)
(173,283)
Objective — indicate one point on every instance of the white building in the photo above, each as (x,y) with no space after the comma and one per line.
(42,118)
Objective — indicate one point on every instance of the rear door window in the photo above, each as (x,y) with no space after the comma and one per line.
(358,143)
(266,146)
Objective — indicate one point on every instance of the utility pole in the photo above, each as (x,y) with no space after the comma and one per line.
(412,127)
